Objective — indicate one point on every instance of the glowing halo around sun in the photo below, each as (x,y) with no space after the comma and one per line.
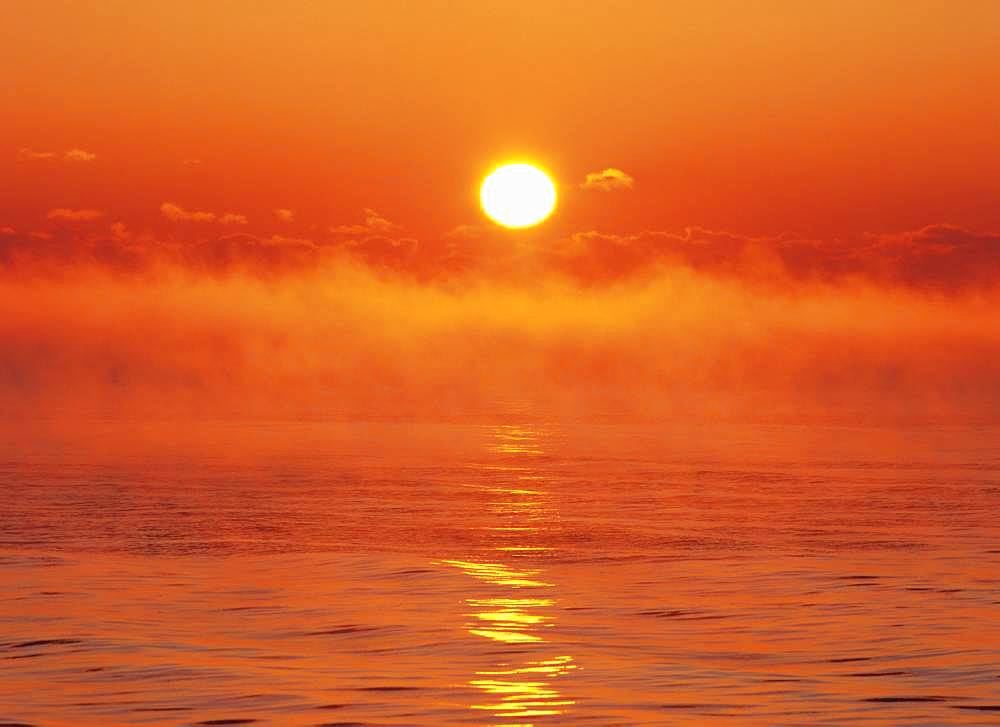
(517,195)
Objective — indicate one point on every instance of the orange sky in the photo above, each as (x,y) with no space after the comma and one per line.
(821,118)
(236,201)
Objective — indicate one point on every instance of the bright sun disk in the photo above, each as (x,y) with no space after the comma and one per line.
(517,195)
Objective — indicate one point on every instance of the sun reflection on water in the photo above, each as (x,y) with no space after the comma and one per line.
(521,612)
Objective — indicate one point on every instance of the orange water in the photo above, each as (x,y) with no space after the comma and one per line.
(515,573)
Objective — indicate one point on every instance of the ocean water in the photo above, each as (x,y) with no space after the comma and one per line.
(520,572)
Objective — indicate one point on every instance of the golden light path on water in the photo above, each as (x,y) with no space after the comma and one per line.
(522,611)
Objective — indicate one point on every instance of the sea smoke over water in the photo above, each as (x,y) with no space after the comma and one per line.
(360,339)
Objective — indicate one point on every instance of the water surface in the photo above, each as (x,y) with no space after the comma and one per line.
(512,573)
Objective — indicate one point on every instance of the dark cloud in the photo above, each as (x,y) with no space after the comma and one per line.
(940,256)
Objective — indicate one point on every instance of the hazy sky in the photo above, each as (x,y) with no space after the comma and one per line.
(821,118)
(276,202)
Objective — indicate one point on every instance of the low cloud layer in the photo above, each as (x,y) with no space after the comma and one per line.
(938,257)
(679,325)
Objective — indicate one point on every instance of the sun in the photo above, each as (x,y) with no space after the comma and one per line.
(517,195)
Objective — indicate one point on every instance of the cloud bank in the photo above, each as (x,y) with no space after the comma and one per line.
(669,325)
(940,257)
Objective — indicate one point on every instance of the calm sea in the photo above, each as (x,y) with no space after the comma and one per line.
(515,573)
